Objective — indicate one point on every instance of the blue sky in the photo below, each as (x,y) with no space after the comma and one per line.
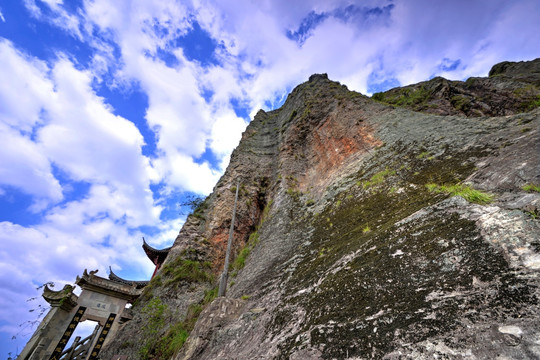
(112,112)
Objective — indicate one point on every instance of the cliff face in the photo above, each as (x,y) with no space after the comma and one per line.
(349,240)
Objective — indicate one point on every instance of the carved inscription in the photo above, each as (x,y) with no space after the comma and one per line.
(67,334)
(102,336)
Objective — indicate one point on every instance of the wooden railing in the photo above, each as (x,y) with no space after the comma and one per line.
(80,348)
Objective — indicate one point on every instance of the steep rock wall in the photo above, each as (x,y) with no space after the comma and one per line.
(351,255)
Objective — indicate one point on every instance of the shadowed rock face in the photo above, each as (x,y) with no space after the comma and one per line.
(351,255)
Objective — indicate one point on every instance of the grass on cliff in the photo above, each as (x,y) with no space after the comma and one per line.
(465,191)
(187,270)
(531,188)
(414,97)
(240,260)
(159,345)
(154,312)
(461,102)
(377,179)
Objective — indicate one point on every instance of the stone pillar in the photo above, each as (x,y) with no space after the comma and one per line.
(54,325)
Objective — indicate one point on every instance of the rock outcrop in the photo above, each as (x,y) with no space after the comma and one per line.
(511,88)
(364,230)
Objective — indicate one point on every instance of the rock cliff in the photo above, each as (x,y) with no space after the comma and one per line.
(367,228)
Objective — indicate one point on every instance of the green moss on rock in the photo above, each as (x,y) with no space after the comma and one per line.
(184,270)
(394,278)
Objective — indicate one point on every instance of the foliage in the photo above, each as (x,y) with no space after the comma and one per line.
(529,105)
(265,212)
(293,115)
(416,96)
(499,69)
(530,97)
(377,179)
(461,102)
(294,193)
(526,91)
(465,191)
(193,202)
(404,96)
(40,311)
(210,295)
(240,260)
(154,282)
(164,347)
(366,229)
(154,311)
(173,340)
(147,292)
(187,270)
(196,204)
(531,188)
(422,155)
(379,96)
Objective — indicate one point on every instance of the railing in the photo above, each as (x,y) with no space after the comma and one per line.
(80,348)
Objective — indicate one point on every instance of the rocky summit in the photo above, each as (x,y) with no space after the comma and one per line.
(401,226)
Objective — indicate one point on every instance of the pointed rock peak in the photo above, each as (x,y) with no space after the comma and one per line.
(316,77)
(260,114)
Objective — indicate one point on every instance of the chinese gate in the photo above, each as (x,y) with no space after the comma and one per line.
(101,300)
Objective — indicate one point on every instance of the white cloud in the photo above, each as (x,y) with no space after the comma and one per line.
(502,43)
(60,120)
(59,16)
(408,45)
(226,132)
(179,115)
(182,171)
(26,76)
(24,166)
(177,111)
(224,83)
(168,231)
(102,147)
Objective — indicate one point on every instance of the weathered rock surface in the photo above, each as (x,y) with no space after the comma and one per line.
(351,255)
(510,88)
